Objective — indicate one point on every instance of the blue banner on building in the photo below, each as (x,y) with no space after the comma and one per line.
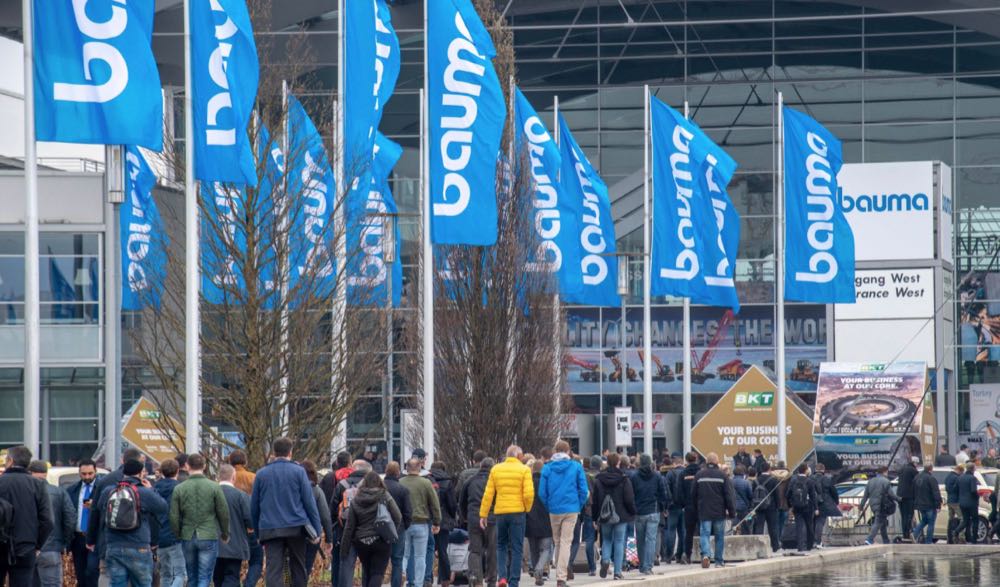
(467,113)
(819,243)
(143,239)
(555,218)
(368,272)
(587,193)
(225,72)
(96,79)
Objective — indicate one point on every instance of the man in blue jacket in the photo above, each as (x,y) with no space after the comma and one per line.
(281,507)
(563,491)
(651,498)
(968,502)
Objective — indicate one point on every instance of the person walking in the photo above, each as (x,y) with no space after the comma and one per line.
(827,502)
(882,501)
(954,511)
(83,494)
(944,458)
(584,531)
(199,517)
(282,505)
(563,490)
(469,472)
(426,520)
(614,507)
(361,531)
(169,551)
(765,501)
(715,501)
(905,491)
(126,535)
(49,567)
(538,530)
(968,502)
(688,475)
(744,500)
(802,499)
(325,518)
(244,482)
(673,530)
(651,499)
(32,523)
(244,477)
(482,540)
(927,500)
(342,567)
(510,494)
(233,552)
(448,500)
(401,496)
(963,455)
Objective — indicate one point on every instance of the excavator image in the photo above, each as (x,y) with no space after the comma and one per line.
(616,375)
(592,372)
(661,373)
(804,371)
(699,364)
(733,370)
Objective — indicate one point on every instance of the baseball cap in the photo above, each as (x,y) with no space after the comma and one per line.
(419,453)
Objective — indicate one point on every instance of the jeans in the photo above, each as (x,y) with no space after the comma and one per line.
(970,520)
(819,526)
(585,532)
(782,522)
(255,566)
(48,569)
(431,547)
(906,516)
(563,528)
(200,556)
(717,527)
(769,517)
(173,569)
(613,545)
(540,551)
(398,550)
(482,553)
(927,520)
(281,551)
(129,566)
(227,572)
(20,572)
(510,547)
(673,534)
(647,527)
(879,524)
(415,538)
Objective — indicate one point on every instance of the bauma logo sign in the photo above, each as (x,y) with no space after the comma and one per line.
(890,202)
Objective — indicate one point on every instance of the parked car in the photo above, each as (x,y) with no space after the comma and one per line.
(66,476)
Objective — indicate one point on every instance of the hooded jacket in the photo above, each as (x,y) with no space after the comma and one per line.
(907,474)
(613,482)
(472,498)
(563,488)
(537,523)
(447,497)
(361,516)
(927,492)
(782,475)
(688,473)
(714,496)
(650,490)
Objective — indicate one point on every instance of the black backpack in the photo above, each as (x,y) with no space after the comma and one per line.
(888,506)
(6,521)
(761,497)
(608,514)
(798,494)
(124,512)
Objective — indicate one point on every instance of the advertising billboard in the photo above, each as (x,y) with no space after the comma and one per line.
(984,414)
(156,434)
(864,411)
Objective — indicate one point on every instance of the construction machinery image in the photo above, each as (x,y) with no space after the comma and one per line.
(591,372)
(805,371)
(700,363)
(661,373)
(733,370)
(616,375)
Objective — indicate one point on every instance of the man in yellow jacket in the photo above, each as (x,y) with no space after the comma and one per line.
(510,493)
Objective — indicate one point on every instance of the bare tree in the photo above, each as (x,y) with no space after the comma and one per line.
(278,358)
(496,376)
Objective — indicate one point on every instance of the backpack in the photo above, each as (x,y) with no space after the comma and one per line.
(798,495)
(6,521)
(888,506)
(384,526)
(608,514)
(350,491)
(124,512)
(761,497)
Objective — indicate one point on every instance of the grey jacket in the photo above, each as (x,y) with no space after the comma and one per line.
(324,513)
(63,520)
(238,546)
(877,491)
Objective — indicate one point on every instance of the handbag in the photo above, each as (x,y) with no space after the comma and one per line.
(385,527)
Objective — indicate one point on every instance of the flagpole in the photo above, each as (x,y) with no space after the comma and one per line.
(32,285)
(647,330)
(428,257)
(339,309)
(556,302)
(779,283)
(686,359)
(192,329)
(114,180)
(286,266)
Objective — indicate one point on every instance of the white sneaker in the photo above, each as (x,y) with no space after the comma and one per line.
(819,547)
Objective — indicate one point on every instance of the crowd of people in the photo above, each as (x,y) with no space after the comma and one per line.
(180,526)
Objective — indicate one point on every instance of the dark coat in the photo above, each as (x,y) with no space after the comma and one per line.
(827,498)
(361,516)
(448,498)
(151,505)
(771,484)
(744,459)
(904,488)
(714,495)
(651,495)
(945,460)
(758,464)
(401,496)
(968,491)
(32,509)
(688,474)
(672,480)
(472,498)
(951,486)
(63,520)
(165,535)
(73,491)
(810,491)
(927,492)
(614,483)
(744,494)
(537,523)
(238,546)
(352,480)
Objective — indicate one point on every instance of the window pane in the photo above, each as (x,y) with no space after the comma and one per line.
(68,243)
(73,403)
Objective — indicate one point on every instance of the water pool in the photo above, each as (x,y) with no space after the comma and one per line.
(893,571)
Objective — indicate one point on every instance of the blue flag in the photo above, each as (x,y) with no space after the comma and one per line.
(367,270)
(270,194)
(819,243)
(311,181)
(555,218)
(595,234)
(467,113)
(223,243)
(96,79)
(225,72)
(371,66)
(682,213)
(143,239)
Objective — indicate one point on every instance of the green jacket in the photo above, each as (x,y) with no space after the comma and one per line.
(423,499)
(198,510)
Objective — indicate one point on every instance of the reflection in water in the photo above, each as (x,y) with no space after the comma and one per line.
(894,571)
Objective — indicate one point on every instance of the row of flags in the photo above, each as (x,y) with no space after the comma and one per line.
(96,82)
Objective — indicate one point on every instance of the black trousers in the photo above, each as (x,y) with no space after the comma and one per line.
(690,526)
(970,521)
(804,530)
(374,559)
(227,572)
(770,517)
(906,516)
(281,551)
(482,553)
(85,563)
(19,574)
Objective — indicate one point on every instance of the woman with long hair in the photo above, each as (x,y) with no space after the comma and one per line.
(360,530)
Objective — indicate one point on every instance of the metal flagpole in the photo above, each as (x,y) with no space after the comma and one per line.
(339,309)
(192,319)
(647,329)
(32,286)
(286,266)
(556,305)
(779,283)
(114,185)
(686,358)
(428,257)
